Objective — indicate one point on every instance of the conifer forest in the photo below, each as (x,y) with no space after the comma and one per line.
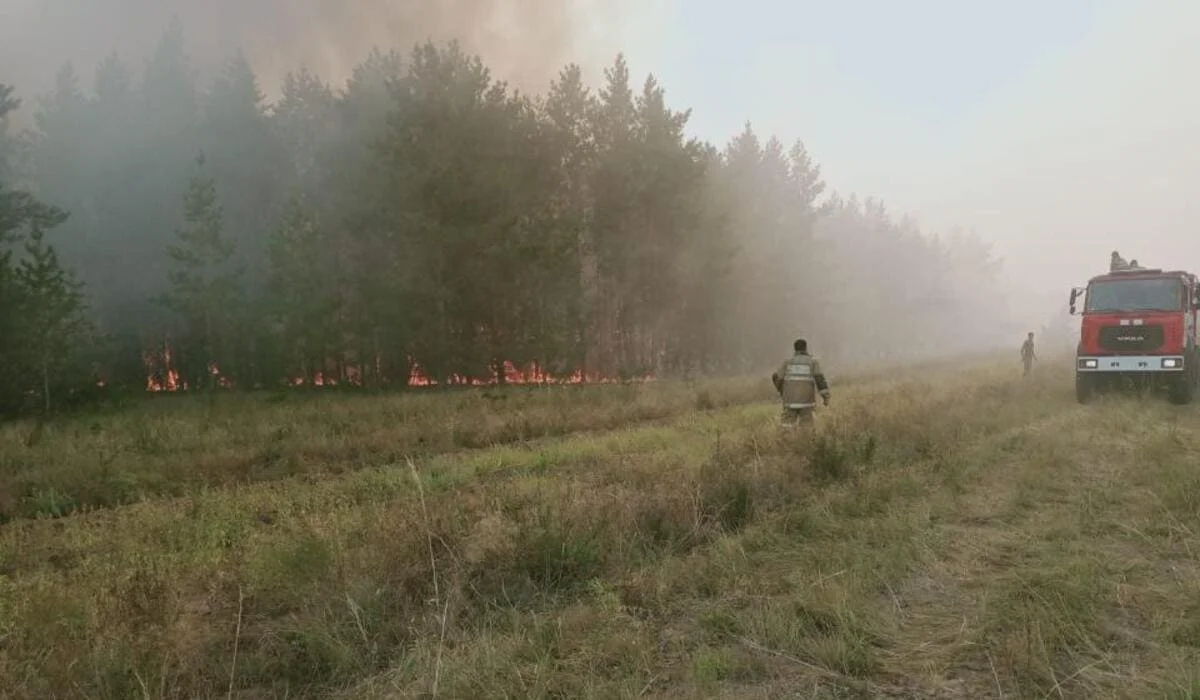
(426,223)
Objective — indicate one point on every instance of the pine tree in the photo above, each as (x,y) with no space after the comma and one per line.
(568,140)
(302,282)
(204,283)
(670,215)
(614,190)
(448,218)
(63,162)
(169,87)
(41,305)
(305,121)
(52,306)
(8,147)
(242,156)
(156,159)
(11,219)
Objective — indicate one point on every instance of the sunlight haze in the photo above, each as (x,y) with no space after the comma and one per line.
(1058,131)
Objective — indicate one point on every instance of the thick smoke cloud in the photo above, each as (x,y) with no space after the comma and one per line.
(524,41)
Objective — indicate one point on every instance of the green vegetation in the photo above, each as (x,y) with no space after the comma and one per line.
(939,534)
(425,215)
(173,445)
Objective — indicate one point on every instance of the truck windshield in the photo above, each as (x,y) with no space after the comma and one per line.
(1135,295)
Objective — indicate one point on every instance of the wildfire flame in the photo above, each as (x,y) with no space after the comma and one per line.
(163,377)
(514,375)
(318,379)
(169,380)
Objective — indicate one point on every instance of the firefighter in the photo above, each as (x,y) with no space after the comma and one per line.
(1117,263)
(798,380)
(1027,353)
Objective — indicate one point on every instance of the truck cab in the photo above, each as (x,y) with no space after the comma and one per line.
(1138,327)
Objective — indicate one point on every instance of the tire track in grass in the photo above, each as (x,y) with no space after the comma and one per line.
(303,545)
(1027,591)
(714,621)
(106,461)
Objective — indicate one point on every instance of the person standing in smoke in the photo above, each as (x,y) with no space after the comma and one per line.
(1027,353)
(798,380)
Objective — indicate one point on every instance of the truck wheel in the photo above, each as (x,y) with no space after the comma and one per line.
(1182,390)
(1084,387)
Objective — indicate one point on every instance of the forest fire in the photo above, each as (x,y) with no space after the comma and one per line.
(170,383)
(162,376)
(169,379)
(318,379)
(513,375)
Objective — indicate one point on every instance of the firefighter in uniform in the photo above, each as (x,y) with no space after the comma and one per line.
(1027,353)
(798,380)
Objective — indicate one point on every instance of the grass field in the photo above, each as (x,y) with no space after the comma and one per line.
(939,534)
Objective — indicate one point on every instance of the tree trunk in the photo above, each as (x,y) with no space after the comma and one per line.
(210,378)
(378,380)
(46,383)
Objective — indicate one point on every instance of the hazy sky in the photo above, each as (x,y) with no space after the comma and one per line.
(1059,129)
(526,40)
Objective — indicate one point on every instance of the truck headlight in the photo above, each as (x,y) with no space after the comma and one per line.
(1088,364)
(1171,362)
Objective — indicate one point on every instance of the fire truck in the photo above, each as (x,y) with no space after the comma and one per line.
(1138,327)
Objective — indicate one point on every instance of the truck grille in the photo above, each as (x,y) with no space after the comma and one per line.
(1131,338)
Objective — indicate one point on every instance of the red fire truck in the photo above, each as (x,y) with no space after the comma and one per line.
(1138,327)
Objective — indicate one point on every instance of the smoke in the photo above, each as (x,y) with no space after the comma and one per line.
(1092,151)
(523,41)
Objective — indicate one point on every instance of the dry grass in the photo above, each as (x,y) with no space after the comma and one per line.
(174,445)
(959,534)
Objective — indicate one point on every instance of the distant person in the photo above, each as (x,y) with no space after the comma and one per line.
(798,380)
(1117,263)
(1027,353)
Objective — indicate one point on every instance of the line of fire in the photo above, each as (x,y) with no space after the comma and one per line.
(163,377)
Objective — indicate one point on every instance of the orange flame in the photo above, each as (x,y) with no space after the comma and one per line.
(534,374)
(163,377)
(318,379)
(169,380)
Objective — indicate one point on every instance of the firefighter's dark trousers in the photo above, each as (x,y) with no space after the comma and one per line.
(797,416)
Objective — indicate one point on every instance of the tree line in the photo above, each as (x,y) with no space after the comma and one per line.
(426,220)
